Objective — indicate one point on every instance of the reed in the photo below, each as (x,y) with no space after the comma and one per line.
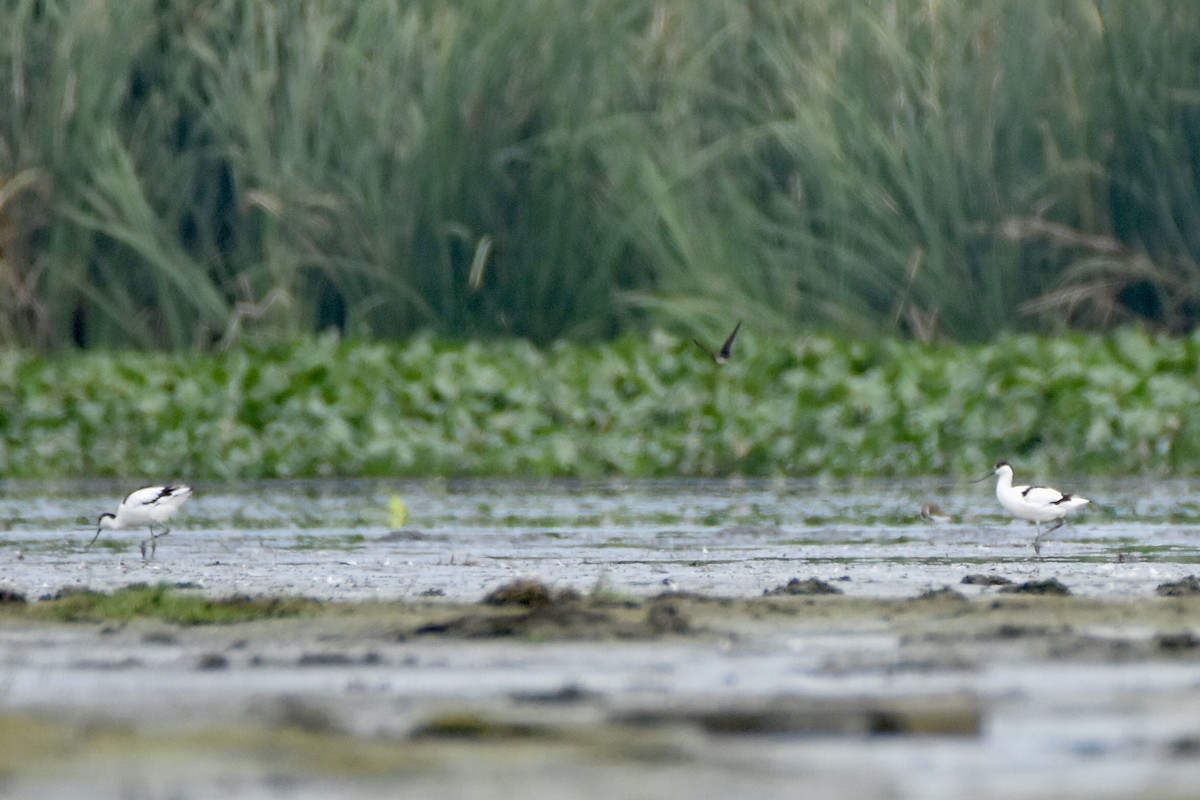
(181,175)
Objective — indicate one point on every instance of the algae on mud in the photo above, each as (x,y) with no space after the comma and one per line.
(529,611)
(531,651)
(797,676)
(163,601)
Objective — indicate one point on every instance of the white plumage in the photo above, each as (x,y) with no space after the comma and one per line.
(1036,504)
(147,506)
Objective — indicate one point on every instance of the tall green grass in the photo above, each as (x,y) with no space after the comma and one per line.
(184,174)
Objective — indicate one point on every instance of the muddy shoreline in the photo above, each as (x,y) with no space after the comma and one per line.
(362,698)
(545,641)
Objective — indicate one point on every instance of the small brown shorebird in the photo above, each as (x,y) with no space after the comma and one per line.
(933,513)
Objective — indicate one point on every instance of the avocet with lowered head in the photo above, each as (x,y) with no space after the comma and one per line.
(147,506)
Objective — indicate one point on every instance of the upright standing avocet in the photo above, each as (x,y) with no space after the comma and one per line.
(1037,504)
(145,506)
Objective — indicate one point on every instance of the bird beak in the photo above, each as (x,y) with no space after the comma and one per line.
(984,478)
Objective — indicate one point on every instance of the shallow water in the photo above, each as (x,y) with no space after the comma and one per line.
(331,540)
(1072,708)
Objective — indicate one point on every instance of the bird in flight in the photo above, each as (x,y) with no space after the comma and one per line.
(722,355)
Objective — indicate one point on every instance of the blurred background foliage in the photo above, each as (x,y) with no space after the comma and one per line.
(637,407)
(178,174)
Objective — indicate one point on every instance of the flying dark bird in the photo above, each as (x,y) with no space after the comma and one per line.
(722,355)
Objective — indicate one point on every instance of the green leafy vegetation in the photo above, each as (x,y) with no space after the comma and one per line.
(1120,404)
(182,175)
(168,604)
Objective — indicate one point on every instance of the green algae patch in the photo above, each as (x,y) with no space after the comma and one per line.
(168,603)
(474,726)
(527,611)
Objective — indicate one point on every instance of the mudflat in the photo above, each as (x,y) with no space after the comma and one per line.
(665,641)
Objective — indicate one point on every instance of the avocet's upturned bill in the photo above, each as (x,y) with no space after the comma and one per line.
(1036,504)
(147,506)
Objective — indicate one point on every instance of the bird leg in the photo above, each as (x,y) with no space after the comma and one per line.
(1037,540)
(153,540)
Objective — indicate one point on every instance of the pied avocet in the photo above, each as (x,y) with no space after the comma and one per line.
(146,506)
(1036,504)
